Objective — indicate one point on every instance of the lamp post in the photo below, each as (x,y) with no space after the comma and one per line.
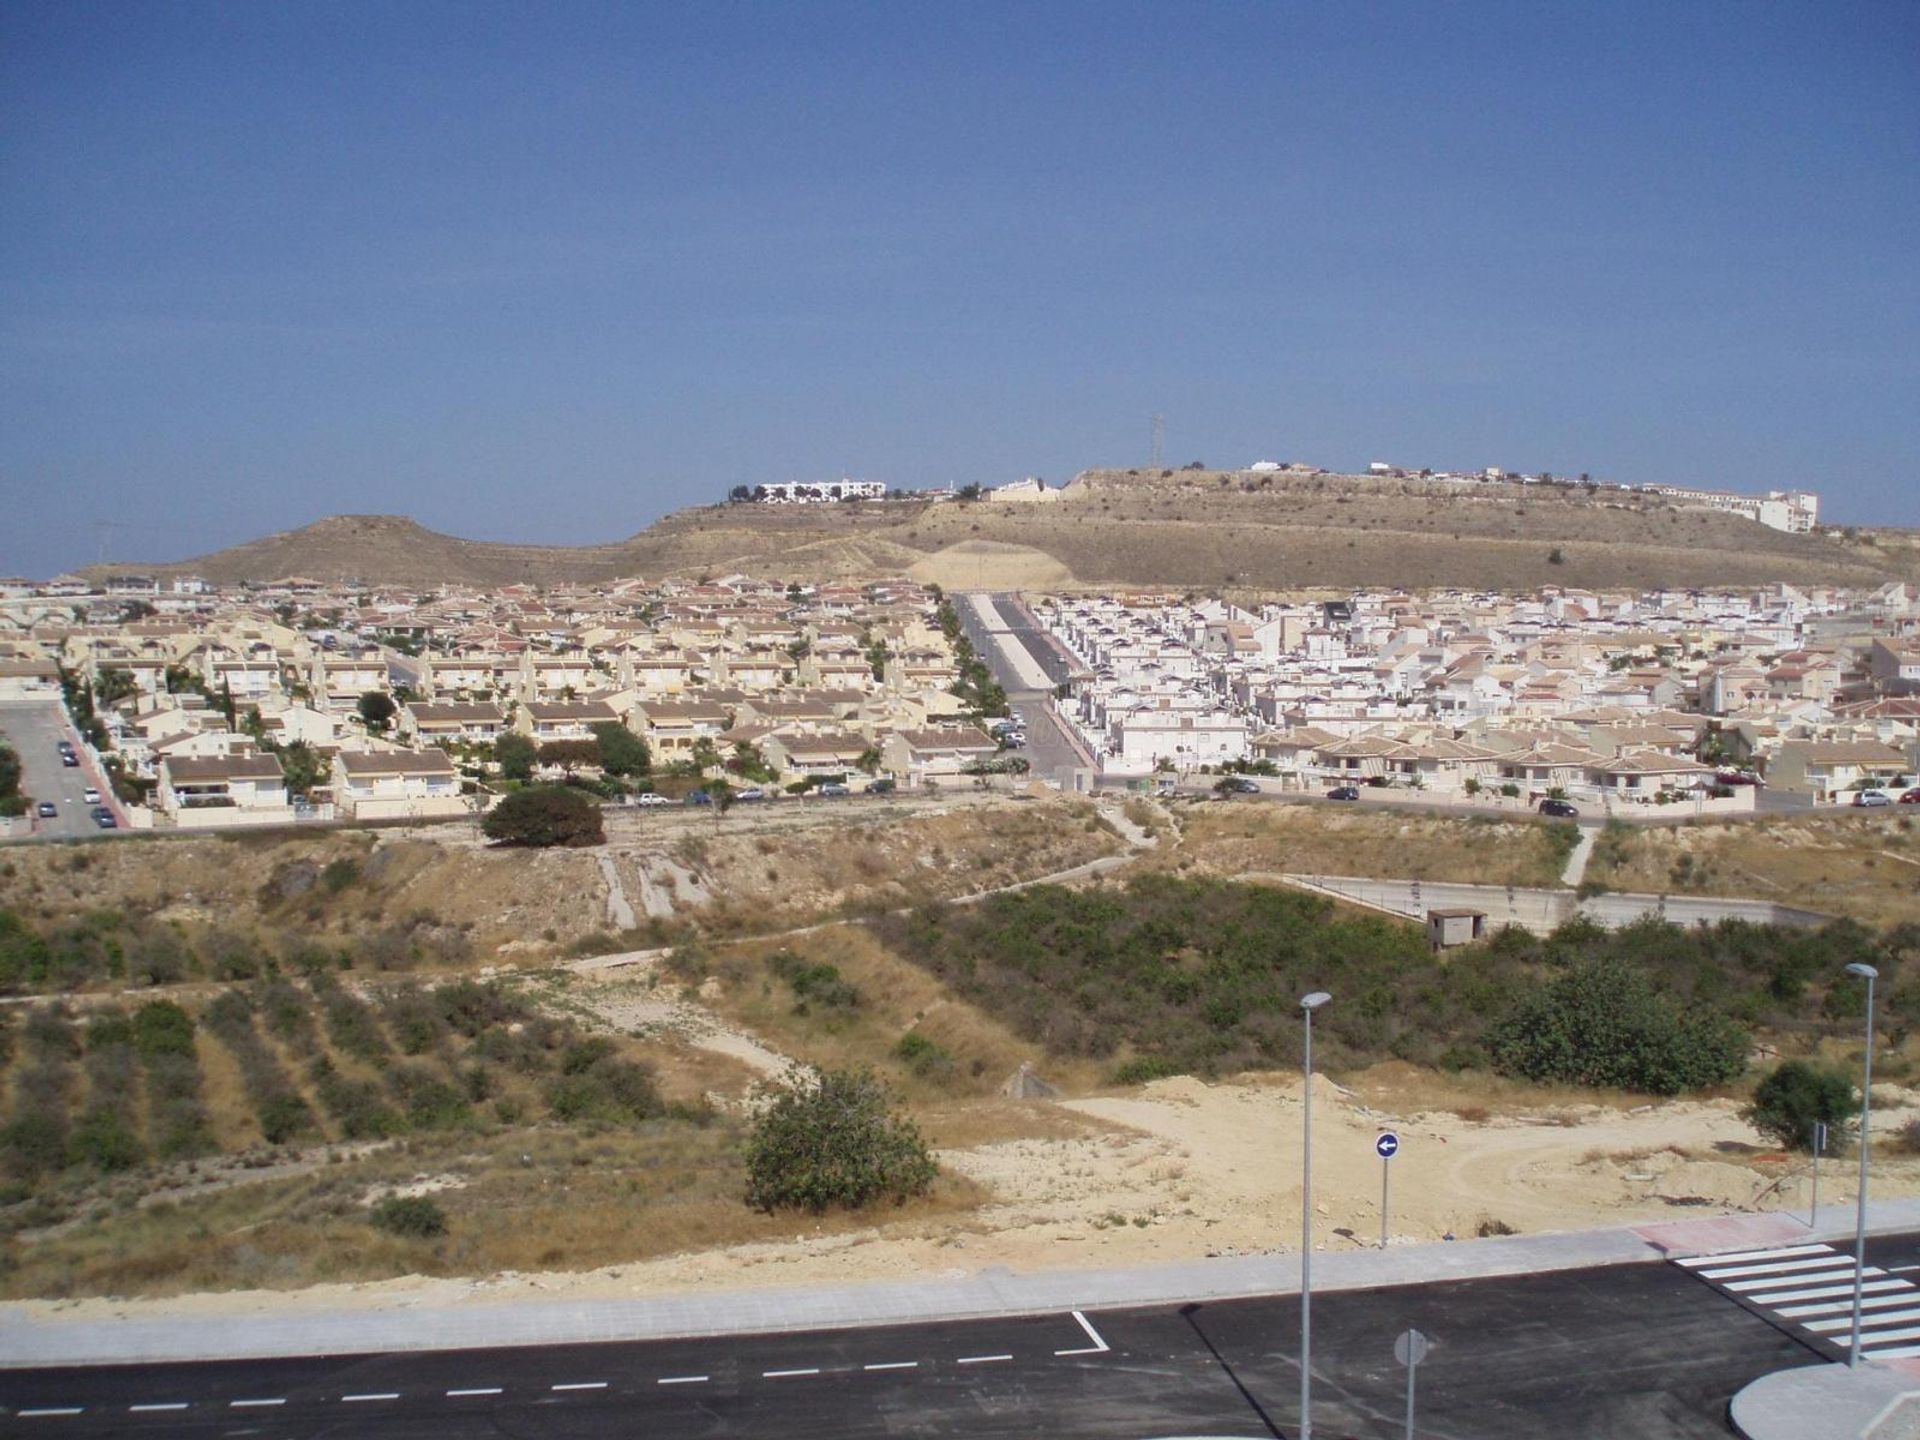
(1869,974)
(1308,1004)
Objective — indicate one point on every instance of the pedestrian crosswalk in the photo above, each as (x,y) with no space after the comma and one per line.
(1808,1290)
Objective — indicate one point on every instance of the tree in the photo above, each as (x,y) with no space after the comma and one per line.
(834,1137)
(1797,1096)
(1603,1023)
(301,766)
(112,685)
(740,493)
(543,816)
(12,802)
(1556,556)
(621,751)
(515,753)
(570,755)
(376,707)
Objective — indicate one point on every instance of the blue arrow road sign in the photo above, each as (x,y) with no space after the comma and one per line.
(1386,1145)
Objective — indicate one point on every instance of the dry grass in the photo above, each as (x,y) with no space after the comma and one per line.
(1240,840)
(895,997)
(1865,866)
(525,1200)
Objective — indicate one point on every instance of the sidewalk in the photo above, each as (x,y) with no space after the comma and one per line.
(257,1328)
(1831,1402)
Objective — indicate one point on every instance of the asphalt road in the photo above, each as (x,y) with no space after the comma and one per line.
(34,730)
(1633,1350)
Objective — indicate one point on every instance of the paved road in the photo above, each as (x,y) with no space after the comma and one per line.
(34,730)
(1647,1350)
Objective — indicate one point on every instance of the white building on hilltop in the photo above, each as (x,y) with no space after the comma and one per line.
(805,492)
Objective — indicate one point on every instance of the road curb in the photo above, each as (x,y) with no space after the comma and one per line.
(28,1341)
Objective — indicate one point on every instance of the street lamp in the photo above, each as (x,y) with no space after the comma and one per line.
(1869,974)
(1308,1004)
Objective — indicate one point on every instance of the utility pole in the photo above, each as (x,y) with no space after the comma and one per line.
(1157,452)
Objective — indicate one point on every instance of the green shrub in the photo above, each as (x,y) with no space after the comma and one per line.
(339,874)
(834,1138)
(610,1090)
(924,1057)
(814,984)
(543,816)
(1602,1023)
(415,1217)
(1797,1096)
(1143,1068)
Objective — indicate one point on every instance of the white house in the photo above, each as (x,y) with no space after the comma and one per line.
(396,785)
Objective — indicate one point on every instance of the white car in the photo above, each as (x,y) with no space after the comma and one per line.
(650,798)
(92,796)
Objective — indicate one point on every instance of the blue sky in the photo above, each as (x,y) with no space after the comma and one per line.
(547,271)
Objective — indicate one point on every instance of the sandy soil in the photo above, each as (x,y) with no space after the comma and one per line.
(1181,1169)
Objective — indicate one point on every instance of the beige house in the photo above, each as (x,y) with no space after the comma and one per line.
(396,785)
(239,789)
(1825,769)
(421,722)
(28,679)
(563,719)
(917,756)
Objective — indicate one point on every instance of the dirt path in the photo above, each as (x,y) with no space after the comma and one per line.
(619,912)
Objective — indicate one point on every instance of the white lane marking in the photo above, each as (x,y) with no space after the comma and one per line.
(48,1411)
(783,1374)
(583,1385)
(1898,1352)
(1739,1256)
(1776,1282)
(1845,1322)
(1827,1291)
(981,1359)
(478,1390)
(1869,1339)
(1784,1267)
(1902,1269)
(894,1365)
(156,1409)
(357,1399)
(1907,1296)
(1099,1346)
(681,1380)
(253,1404)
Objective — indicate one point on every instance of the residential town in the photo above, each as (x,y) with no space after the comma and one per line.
(1625,700)
(212,707)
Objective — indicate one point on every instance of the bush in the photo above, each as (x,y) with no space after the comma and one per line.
(817,984)
(1797,1096)
(925,1058)
(545,815)
(608,1090)
(1603,1023)
(832,1137)
(415,1217)
(162,1028)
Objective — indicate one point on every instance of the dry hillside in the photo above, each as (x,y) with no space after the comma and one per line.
(1187,529)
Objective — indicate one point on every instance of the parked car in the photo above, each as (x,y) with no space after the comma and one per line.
(1911,797)
(833,788)
(698,797)
(752,792)
(883,786)
(91,796)
(1870,799)
(1737,777)
(650,798)
(47,809)
(104,819)
(1565,809)
(1344,792)
(69,759)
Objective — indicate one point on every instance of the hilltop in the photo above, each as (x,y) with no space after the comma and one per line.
(1187,529)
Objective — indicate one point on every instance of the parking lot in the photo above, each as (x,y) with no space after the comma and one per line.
(35,729)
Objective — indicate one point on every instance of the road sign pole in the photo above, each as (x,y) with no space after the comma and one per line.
(1410,1348)
(1386,1145)
(1819,1144)
(1386,1168)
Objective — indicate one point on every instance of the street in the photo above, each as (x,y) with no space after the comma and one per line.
(1647,1350)
(34,730)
